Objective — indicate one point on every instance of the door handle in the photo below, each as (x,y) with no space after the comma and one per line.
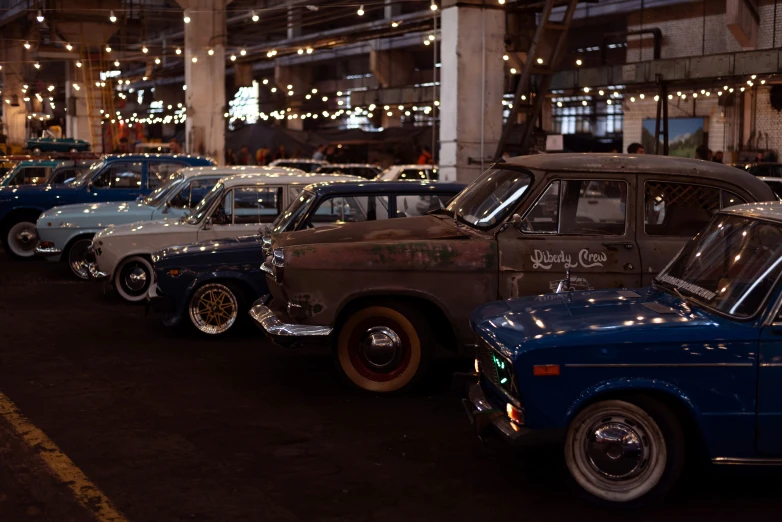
(613,246)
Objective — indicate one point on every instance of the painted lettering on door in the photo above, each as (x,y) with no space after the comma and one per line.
(585,259)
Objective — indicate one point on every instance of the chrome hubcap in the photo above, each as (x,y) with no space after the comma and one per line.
(379,346)
(136,279)
(615,449)
(77,258)
(25,236)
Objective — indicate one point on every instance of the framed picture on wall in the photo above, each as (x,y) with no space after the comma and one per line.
(684,136)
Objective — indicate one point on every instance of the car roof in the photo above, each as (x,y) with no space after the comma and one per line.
(37,162)
(351,165)
(637,163)
(155,155)
(232,170)
(283,175)
(767,179)
(770,210)
(325,188)
(412,166)
(298,160)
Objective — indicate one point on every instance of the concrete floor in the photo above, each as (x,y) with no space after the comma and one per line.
(173,426)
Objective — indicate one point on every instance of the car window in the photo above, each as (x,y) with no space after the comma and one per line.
(582,207)
(413,174)
(120,175)
(350,209)
(682,209)
(31,176)
(418,205)
(256,204)
(60,176)
(223,212)
(192,194)
(160,172)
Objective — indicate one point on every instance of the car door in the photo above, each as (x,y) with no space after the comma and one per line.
(669,213)
(582,223)
(118,181)
(243,210)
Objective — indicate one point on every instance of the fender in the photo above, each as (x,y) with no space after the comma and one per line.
(15,210)
(391,292)
(225,275)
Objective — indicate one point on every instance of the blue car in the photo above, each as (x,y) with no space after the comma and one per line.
(632,381)
(113,178)
(213,283)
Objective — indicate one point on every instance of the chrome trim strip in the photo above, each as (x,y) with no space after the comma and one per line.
(734,461)
(51,251)
(661,365)
(266,268)
(770,365)
(266,319)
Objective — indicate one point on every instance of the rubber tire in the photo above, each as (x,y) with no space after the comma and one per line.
(672,434)
(67,261)
(7,229)
(242,314)
(414,327)
(150,275)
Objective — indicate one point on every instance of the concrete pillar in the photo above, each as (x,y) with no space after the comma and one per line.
(391,68)
(77,121)
(472,83)
(205,78)
(294,22)
(14,106)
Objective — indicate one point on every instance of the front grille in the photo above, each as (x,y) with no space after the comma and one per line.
(497,369)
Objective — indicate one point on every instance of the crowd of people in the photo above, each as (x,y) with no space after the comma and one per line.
(329,153)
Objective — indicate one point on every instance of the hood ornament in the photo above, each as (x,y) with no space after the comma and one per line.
(564,285)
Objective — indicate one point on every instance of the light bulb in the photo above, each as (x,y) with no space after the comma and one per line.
(144,49)
(325,98)
(178,50)
(78,64)
(579,62)
(112,18)
(69,47)
(265,81)
(233,57)
(37,65)
(309,50)
(360,11)
(194,59)
(290,87)
(40,16)
(255,16)
(540,61)
(300,51)
(186,19)
(27,45)
(433,6)
(243,52)
(210,52)
(116,63)
(157,61)
(108,48)
(314,90)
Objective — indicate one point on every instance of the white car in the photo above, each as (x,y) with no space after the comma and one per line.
(407,172)
(237,206)
(65,232)
(307,165)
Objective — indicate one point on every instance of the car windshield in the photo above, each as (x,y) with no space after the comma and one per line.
(287,220)
(490,198)
(731,266)
(162,192)
(85,176)
(203,206)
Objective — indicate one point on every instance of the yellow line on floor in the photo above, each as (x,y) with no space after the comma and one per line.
(63,468)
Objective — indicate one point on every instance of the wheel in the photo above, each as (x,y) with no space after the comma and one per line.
(625,452)
(77,257)
(133,277)
(383,348)
(21,238)
(214,308)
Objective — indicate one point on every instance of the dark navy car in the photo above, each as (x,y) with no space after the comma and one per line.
(113,178)
(631,381)
(213,283)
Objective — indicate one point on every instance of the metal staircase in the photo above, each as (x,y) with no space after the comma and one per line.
(549,36)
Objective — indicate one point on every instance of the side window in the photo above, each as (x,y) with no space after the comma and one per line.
(160,172)
(678,209)
(581,207)
(350,209)
(418,205)
(61,175)
(223,213)
(256,204)
(120,176)
(729,199)
(199,188)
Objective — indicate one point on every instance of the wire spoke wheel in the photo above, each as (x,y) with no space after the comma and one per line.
(213,308)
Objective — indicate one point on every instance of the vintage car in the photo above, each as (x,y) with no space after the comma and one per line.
(408,172)
(44,171)
(362,170)
(39,145)
(632,381)
(307,165)
(113,178)
(190,278)
(66,232)
(385,296)
(237,206)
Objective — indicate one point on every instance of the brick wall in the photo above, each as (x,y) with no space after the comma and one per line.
(768,120)
(682,29)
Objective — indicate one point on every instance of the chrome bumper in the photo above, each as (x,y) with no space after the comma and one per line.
(285,333)
(48,251)
(486,418)
(95,274)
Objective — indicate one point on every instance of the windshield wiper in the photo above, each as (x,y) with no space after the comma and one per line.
(673,288)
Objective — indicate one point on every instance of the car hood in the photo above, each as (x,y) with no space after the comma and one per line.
(193,253)
(95,213)
(605,317)
(142,228)
(20,191)
(404,229)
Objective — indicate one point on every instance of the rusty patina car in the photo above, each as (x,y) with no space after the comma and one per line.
(385,295)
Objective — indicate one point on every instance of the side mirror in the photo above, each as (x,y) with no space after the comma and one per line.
(207,223)
(516,221)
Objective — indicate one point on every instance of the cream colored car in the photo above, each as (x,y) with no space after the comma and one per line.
(237,206)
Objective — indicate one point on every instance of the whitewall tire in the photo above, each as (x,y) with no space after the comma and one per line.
(133,277)
(21,239)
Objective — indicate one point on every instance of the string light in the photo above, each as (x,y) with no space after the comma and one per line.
(39,17)
(255,16)
(112,18)
(68,47)
(324,99)
(309,50)
(427,42)
(27,45)
(300,51)
(37,65)
(144,49)
(194,59)
(187,19)
(210,52)
(78,64)
(395,24)
(50,88)
(540,61)
(108,49)
(274,89)
(265,81)
(76,86)
(505,57)
(579,62)
(157,61)
(433,6)
(178,50)
(116,63)
(233,57)
(243,52)
(360,11)
(314,90)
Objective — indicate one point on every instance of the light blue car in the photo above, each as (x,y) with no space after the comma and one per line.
(65,232)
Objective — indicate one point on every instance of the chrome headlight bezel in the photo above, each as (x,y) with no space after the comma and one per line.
(278,263)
